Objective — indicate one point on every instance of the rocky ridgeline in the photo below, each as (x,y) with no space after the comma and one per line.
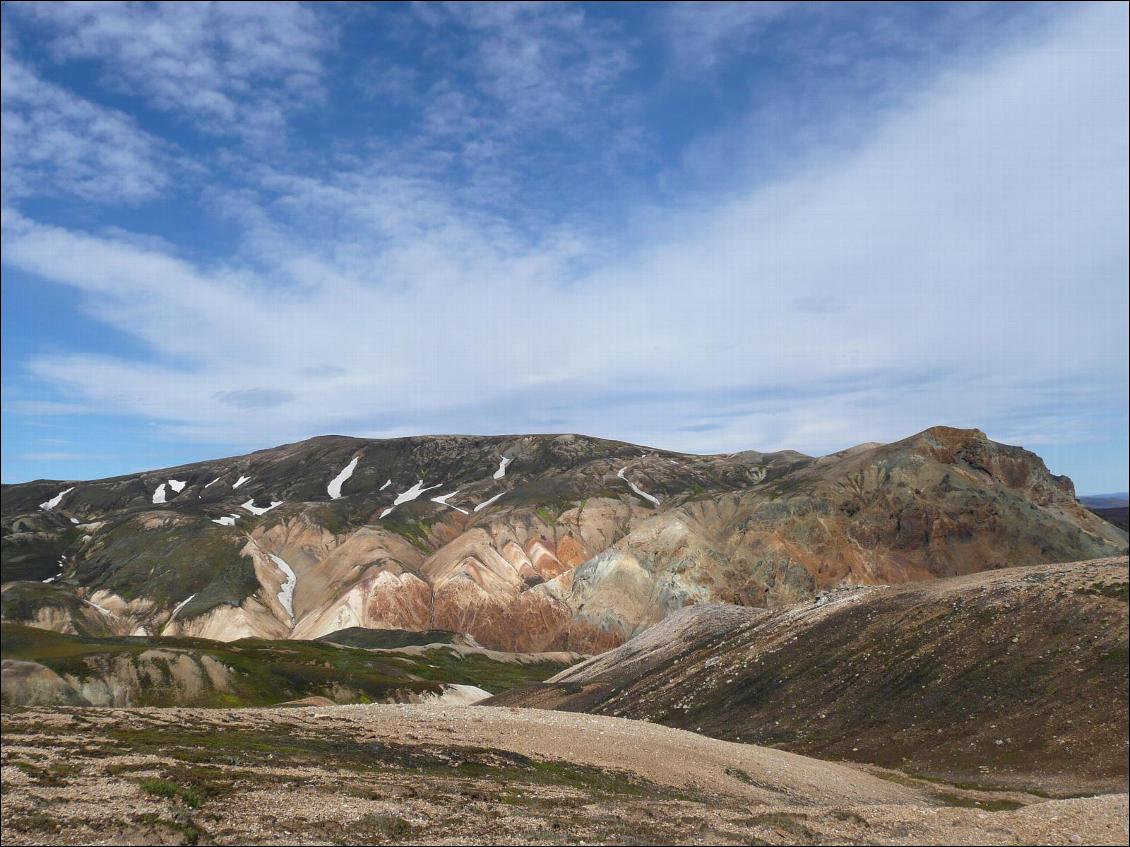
(525,543)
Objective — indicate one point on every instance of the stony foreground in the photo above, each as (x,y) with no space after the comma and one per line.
(449,774)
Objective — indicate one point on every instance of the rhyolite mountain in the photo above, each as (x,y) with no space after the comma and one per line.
(530,543)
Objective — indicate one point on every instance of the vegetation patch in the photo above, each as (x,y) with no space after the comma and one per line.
(1115,590)
(966,802)
(416,532)
(265,672)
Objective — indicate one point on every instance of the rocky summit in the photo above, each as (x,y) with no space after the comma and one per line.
(524,543)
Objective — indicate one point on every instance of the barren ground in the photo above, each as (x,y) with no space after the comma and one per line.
(448,774)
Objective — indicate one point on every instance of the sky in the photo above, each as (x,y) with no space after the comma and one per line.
(701,227)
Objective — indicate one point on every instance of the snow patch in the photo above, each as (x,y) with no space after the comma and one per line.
(48,505)
(636,488)
(286,591)
(334,488)
(159,494)
(213,482)
(501,472)
(257,510)
(414,492)
(409,495)
(102,609)
(226,520)
(442,500)
(457,694)
(240,481)
(486,503)
(177,485)
(180,606)
(386,485)
(74,520)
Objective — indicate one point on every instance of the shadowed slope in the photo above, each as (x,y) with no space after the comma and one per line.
(1013,678)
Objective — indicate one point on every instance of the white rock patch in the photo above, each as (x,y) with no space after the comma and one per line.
(56,500)
(636,488)
(334,488)
(501,472)
(159,494)
(286,591)
(257,510)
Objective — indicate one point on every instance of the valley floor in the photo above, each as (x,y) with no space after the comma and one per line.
(470,774)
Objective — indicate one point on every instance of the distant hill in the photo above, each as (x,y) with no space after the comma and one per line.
(1106,501)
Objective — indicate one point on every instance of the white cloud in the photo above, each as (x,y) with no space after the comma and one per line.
(56,143)
(702,33)
(230,68)
(512,100)
(975,250)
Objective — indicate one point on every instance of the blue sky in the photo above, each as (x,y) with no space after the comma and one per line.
(700,227)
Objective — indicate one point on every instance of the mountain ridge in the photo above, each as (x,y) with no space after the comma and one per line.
(527,542)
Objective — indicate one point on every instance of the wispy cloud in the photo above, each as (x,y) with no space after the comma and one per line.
(702,34)
(230,68)
(58,144)
(60,456)
(513,105)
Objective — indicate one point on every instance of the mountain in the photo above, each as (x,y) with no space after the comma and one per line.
(525,543)
(1012,679)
